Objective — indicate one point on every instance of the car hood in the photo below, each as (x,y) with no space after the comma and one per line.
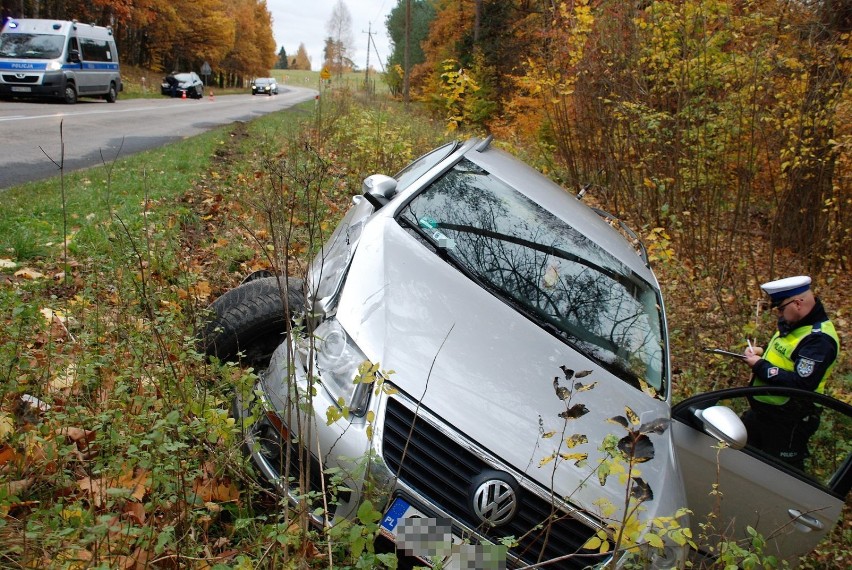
(494,375)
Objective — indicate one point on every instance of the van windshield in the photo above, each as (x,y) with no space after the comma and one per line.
(31,46)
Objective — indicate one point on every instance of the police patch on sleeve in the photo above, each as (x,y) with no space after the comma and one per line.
(772,372)
(805,367)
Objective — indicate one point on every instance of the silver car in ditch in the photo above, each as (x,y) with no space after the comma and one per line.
(477,347)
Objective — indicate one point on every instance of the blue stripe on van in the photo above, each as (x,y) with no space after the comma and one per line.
(99,66)
(22,66)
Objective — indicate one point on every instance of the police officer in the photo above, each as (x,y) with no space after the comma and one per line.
(801,354)
(173,83)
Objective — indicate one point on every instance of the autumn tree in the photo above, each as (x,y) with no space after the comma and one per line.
(331,51)
(340,46)
(478,38)
(253,51)
(710,118)
(301,59)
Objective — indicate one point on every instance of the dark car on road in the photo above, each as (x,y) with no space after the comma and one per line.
(186,84)
(264,86)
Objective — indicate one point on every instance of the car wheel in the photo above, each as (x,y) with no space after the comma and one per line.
(248,322)
(70,94)
(112,94)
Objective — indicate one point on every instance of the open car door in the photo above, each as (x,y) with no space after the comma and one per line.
(793,508)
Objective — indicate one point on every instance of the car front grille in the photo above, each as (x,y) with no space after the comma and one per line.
(442,471)
(15,79)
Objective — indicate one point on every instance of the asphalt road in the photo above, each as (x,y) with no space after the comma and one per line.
(93,131)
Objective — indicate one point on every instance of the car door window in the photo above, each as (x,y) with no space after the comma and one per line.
(793,504)
(805,436)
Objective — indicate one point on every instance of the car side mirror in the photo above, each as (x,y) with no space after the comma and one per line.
(378,189)
(723,424)
(74,56)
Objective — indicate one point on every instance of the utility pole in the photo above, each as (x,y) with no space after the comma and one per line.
(406,72)
(367,70)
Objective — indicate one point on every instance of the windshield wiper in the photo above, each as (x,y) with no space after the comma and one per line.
(548,249)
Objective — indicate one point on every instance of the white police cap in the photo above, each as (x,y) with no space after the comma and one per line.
(786,288)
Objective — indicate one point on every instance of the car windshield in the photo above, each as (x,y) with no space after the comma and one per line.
(545,269)
(31,46)
(261,81)
(419,167)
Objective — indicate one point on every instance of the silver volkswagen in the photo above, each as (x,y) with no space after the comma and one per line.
(482,355)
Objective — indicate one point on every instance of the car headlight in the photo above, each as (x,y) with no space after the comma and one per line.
(53,66)
(338,360)
(329,267)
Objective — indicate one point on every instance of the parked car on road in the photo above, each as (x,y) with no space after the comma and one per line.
(264,86)
(61,59)
(499,350)
(187,84)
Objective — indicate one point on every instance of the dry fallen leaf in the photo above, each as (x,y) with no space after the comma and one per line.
(94,490)
(28,273)
(7,426)
(64,380)
(216,490)
(7,454)
(15,487)
(135,512)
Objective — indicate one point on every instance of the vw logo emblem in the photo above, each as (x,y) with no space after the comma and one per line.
(494,502)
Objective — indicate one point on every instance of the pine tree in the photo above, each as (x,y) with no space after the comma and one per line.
(283,62)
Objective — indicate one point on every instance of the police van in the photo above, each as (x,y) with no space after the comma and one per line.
(58,59)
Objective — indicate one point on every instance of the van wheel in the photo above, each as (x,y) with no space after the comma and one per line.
(248,323)
(112,94)
(70,94)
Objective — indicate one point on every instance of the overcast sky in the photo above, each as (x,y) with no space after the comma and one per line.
(304,21)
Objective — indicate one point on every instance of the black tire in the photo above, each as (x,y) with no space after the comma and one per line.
(70,94)
(112,94)
(248,322)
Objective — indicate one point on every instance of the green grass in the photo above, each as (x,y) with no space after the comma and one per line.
(33,216)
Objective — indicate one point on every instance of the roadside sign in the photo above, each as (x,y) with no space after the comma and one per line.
(206,71)
(325,74)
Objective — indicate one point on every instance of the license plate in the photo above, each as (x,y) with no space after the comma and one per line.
(427,539)
(22,89)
